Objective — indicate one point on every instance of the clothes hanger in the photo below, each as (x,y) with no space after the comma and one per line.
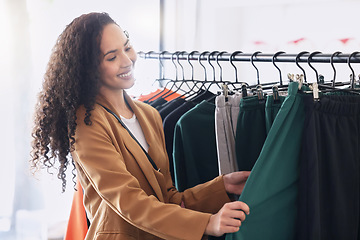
(217,61)
(258,89)
(183,81)
(312,67)
(166,89)
(273,62)
(275,88)
(257,70)
(303,76)
(333,67)
(214,75)
(192,80)
(352,76)
(259,86)
(162,76)
(244,85)
(201,89)
(326,88)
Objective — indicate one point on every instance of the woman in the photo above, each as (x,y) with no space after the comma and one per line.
(128,192)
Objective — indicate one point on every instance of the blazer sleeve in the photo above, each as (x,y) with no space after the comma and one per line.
(207,197)
(105,169)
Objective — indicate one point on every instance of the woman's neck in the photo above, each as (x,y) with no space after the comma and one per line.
(116,98)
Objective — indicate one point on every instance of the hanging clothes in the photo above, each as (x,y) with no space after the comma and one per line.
(171,106)
(172,118)
(271,189)
(194,153)
(329,177)
(272,108)
(250,132)
(226,115)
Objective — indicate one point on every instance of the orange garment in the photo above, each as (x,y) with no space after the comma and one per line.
(77,225)
(148,96)
(159,93)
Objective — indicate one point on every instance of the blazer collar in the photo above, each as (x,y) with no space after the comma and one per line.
(133,147)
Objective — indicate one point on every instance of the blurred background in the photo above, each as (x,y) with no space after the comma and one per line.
(33,207)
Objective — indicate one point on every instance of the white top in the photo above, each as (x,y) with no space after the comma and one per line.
(134,126)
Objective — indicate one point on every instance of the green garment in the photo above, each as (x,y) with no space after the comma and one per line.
(271,189)
(250,132)
(272,108)
(194,152)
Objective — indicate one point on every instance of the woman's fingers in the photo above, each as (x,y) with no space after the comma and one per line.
(228,219)
(238,205)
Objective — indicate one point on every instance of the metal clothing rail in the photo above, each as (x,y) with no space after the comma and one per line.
(313,57)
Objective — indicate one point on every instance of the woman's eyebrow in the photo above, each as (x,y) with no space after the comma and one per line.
(112,51)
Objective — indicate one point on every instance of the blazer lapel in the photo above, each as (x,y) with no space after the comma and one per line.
(139,156)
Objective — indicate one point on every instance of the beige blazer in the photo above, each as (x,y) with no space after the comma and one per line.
(125,198)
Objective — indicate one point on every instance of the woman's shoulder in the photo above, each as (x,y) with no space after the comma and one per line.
(146,107)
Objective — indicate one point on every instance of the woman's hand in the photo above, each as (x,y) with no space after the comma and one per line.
(235,182)
(228,219)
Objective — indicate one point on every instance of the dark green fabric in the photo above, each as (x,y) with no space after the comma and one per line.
(250,132)
(272,108)
(194,152)
(271,189)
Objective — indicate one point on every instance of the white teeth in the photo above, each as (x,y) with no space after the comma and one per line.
(125,74)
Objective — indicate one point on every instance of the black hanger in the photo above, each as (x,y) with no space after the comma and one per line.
(333,67)
(257,70)
(273,62)
(190,92)
(162,77)
(326,88)
(312,67)
(183,81)
(275,88)
(231,62)
(217,61)
(166,90)
(352,76)
(199,60)
(297,64)
(244,85)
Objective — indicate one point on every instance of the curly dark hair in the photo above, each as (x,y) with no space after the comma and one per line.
(72,79)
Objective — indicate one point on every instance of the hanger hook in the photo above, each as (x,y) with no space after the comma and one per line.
(297,62)
(333,67)
(352,70)
(231,62)
(217,61)
(312,67)
(176,68)
(252,63)
(199,60)
(162,68)
(208,59)
(192,67)
(182,68)
(273,62)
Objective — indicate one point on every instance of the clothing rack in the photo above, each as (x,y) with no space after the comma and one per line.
(336,57)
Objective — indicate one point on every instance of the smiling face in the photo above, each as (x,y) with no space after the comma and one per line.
(117,59)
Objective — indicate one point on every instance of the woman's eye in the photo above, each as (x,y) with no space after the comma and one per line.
(112,59)
(128,48)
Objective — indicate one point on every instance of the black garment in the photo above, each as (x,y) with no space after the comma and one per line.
(329,169)
(169,126)
(250,132)
(158,102)
(170,106)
